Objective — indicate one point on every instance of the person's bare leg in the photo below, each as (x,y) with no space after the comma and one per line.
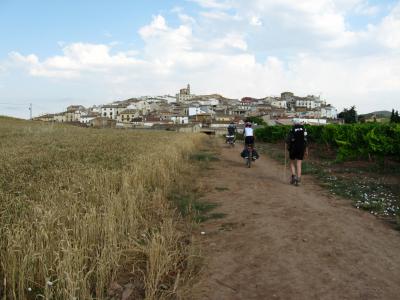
(299,169)
(292,167)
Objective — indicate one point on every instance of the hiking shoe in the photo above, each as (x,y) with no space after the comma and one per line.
(297,181)
(293,179)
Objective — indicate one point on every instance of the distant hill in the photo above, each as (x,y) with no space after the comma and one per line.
(378,114)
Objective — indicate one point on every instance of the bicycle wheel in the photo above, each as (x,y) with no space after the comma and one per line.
(249,159)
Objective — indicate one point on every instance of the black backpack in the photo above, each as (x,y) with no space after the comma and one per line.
(297,137)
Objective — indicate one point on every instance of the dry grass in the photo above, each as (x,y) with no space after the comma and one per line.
(79,207)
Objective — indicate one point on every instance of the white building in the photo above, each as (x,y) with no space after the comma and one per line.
(108,111)
(112,111)
(61,117)
(210,102)
(180,119)
(279,104)
(329,112)
(193,111)
(184,98)
(85,119)
(144,106)
(73,116)
(307,103)
(95,109)
(310,121)
(268,100)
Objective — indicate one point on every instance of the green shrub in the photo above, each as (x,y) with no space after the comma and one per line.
(351,141)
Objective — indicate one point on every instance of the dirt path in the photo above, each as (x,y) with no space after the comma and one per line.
(284,242)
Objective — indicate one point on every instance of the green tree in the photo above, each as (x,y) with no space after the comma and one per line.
(255,120)
(392,117)
(349,115)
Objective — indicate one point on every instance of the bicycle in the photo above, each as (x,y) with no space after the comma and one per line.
(230,139)
(249,158)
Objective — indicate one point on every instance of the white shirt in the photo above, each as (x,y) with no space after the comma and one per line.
(248,131)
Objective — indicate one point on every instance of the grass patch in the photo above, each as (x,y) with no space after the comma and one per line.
(190,205)
(204,156)
(273,152)
(202,207)
(212,216)
(217,215)
(366,193)
(221,188)
(229,226)
(208,151)
(309,168)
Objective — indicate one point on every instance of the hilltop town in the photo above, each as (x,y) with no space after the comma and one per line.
(187,110)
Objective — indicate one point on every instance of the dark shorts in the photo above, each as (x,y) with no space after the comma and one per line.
(296,154)
(249,140)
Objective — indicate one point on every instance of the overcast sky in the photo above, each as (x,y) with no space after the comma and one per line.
(57,53)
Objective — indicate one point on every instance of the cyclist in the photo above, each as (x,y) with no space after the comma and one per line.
(297,147)
(231,136)
(248,134)
(232,129)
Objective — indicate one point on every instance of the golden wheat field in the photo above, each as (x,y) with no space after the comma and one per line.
(79,207)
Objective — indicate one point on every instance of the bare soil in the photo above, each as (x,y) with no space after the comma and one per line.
(279,241)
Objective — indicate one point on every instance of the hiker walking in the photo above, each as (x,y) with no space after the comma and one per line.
(297,146)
